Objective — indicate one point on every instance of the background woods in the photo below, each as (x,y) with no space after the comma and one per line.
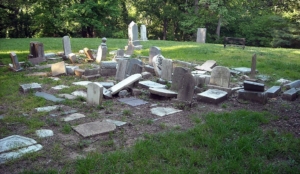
(263,23)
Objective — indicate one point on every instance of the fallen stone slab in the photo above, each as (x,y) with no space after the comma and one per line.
(291,94)
(106,84)
(42,133)
(253,86)
(59,87)
(150,84)
(294,84)
(163,92)
(228,90)
(254,96)
(50,55)
(82,83)
(273,91)
(116,122)
(198,72)
(74,116)
(48,97)
(14,142)
(67,96)
(207,66)
(244,70)
(79,94)
(64,113)
(42,74)
(108,72)
(31,86)
(55,78)
(94,128)
(108,65)
(91,77)
(213,96)
(46,108)
(149,69)
(163,111)
(132,101)
(124,83)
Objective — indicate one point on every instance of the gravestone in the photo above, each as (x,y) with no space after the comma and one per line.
(94,94)
(254,86)
(207,66)
(49,97)
(72,57)
(58,68)
(71,69)
(132,101)
(120,53)
(153,51)
(150,84)
(144,33)
(130,67)
(201,35)
(291,94)
(102,51)
(31,86)
(157,64)
(73,116)
(59,87)
(67,45)
(15,141)
(186,90)
(162,111)
(88,53)
(116,122)
(46,108)
(213,96)
(136,69)
(15,62)
(167,69)
(129,50)
(42,133)
(37,54)
(273,91)
(121,70)
(94,128)
(253,67)
(163,92)
(220,76)
(133,32)
(177,77)
(124,83)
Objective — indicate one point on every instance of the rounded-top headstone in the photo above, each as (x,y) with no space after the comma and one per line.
(220,76)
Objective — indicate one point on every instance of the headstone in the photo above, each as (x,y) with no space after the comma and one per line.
(88,53)
(157,64)
(94,128)
(102,51)
(129,50)
(273,91)
(116,122)
(106,84)
(163,92)
(15,141)
(71,69)
(177,77)
(46,108)
(291,94)
(49,97)
(37,54)
(79,94)
(243,70)
(186,90)
(294,84)
(254,96)
(120,53)
(121,70)
(67,45)
(82,83)
(50,55)
(253,86)
(89,72)
(202,80)
(153,51)
(130,69)
(72,117)
(220,76)
(213,96)
(108,65)
(167,69)
(253,67)
(149,69)
(59,87)
(133,32)
(124,83)
(72,57)
(150,84)
(58,68)
(67,96)
(146,75)
(15,62)
(132,101)
(144,33)
(31,86)
(42,133)
(94,94)
(207,66)
(201,35)
(162,111)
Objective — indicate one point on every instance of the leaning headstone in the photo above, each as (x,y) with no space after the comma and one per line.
(94,128)
(153,51)
(121,70)
(186,90)
(94,93)
(124,83)
(201,35)
(133,32)
(58,68)
(37,54)
(157,64)
(220,76)
(144,33)
(207,66)
(177,77)
(31,86)
(167,69)
(14,60)
(67,45)
(88,53)
(213,96)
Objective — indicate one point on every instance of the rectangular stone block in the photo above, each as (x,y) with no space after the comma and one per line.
(71,69)
(89,72)
(291,94)
(58,68)
(108,72)
(273,91)
(294,84)
(253,86)
(213,96)
(258,97)
(94,128)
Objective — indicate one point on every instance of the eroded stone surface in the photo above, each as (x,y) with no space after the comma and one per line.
(94,93)
(116,122)
(220,76)
(58,68)
(74,116)
(186,90)
(94,128)
(48,97)
(167,69)
(31,86)
(162,111)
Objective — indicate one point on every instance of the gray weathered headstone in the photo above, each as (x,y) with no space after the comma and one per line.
(15,141)
(254,86)
(153,51)
(15,61)
(207,66)
(94,93)
(254,96)
(133,32)
(144,33)
(102,51)
(94,128)
(121,70)
(124,83)
(116,122)
(67,45)
(132,101)
(79,94)
(177,77)
(253,67)
(59,87)
(130,70)
(167,69)
(201,35)
(120,53)
(58,68)
(37,54)
(293,84)
(82,83)
(42,133)
(214,96)
(220,76)
(273,91)
(157,64)
(291,94)
(186,90)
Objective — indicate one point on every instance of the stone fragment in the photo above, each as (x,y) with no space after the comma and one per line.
(117,123)
(67,45)
(15,141)
(42,133)
(132,101)
(72,117)
(94,94)
(220,76)
(120,53)
(213,96)
(207,66)
(79,94)
(167,69)
(163,92)
(273,91)
(107,93)
(186,89)
(153,51)
(82,83)
(106,84)
(124,83)
(94,128)
(67,96)
(253,86)
(291,94)
(294,84)
(283,81)
(71,69)
(91,77)
(177,77)
(157,64)
(48,97)
(129,50)
(146,75)
(59,87)
(243,70)
(198,72)
(228,90)
(150,84)
(46,108)
(58,68)
(79,72)
(72,57)
(50,55)
(163,111)
(31,86)
(258,97)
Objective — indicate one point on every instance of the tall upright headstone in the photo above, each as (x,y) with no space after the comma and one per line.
(144,33)
(15,62)
(253,67)
(201,35)
(177,77)
(67,45)
(186,89)
(220,76)
(102,50)
(153,51)
(121,70)
(133,33)
(167,69)
(94,93)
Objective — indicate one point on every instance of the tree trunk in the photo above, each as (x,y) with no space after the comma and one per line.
(83,32)
(165,29)
(196,4)
(219,27)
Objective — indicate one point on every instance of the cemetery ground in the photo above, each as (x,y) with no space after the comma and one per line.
(231,137)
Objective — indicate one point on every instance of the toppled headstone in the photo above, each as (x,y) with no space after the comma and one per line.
(14,59)
(116,122)
(244,70)
(94,93)
(186,89)
(259,97)
(48,97)
(177,77)
(201,35)
(31,86)
(71,69)
(82,83)
(58,68)
(283,81)
(106,84)
(294,84)
(207,66)
(220,76)
(94,128)
(167,69)
(291,94)
(45,74)
(42,133)
(72,117)
(273,91)
(67,96)
(132,101)
(153,51)
(162,111)
(59,87)
(157,64)
(253,86)
(163,92)
(150,84)
(72,57)
(15,141)
(66,45)
(79,94)
(213,96)
(46,108)
(124,83)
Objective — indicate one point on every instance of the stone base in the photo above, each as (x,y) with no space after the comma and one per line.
(108,72)
(253,86)
(213,96)
(294,84)
(258,97)
(228,90)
